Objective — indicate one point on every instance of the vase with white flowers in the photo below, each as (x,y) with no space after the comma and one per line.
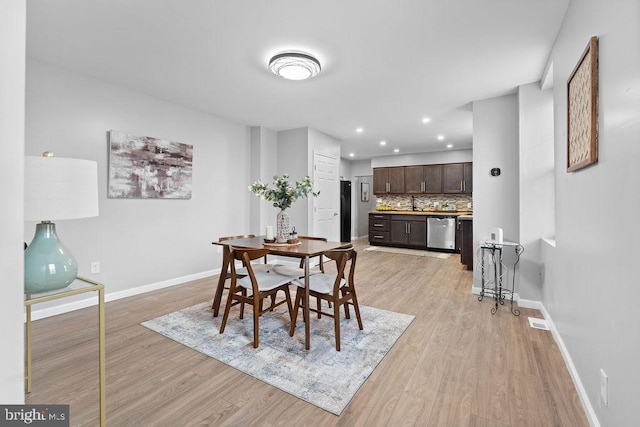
(283,193)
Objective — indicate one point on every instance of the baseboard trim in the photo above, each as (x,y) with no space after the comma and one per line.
(524,303)
(112,296)
(528,303)
(476,291)
(90,301)
(582,393)
(577,382)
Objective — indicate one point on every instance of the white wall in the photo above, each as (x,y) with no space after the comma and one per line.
(345,169)
(495,145)
(140,242)
(591,278)
(452,156)
(292,160)
(537,196)
(322,143)
(361,168)
(12,100)
(264,165)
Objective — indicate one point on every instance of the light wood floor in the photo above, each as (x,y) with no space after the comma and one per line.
(456,365)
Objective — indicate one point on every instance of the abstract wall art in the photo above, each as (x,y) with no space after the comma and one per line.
(142,167)
(364,192)
(582,110)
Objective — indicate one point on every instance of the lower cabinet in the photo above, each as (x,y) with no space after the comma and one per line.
(409,231)
(379,226)
(465,231)
(398,230)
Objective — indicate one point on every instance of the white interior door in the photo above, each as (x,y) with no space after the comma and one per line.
(325,206)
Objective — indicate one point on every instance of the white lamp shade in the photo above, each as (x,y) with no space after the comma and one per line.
(58,188)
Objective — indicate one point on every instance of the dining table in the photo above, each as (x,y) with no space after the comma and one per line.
(304,249)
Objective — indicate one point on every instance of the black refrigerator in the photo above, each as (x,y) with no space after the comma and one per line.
(345,211)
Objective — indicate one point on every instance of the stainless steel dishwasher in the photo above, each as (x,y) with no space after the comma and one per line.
(441,233)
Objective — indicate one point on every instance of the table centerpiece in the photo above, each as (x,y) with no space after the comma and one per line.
(283,193)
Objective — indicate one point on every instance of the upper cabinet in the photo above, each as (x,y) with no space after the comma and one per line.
(388,180)
(458,178)
(468,178)
(453,178)
(423,179)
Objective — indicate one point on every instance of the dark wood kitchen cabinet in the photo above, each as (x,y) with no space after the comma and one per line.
(457,178)
(409,231)
(379,226)
(468,178)
(388,180)
(465,231)
(425,179)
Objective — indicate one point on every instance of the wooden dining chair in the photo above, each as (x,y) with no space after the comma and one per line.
(289,270)
(261,284)
(240,271)
(320,265)
(320,258)
(337,289)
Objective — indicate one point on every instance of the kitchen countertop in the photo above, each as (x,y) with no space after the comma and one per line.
(459,214)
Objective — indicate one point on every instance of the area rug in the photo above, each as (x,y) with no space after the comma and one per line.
(403,251)
(321,376)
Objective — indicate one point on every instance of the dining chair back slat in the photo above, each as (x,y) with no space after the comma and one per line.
(320,258)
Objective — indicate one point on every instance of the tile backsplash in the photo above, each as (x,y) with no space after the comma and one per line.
(460,202)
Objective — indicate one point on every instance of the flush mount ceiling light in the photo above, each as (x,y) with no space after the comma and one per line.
(294,65)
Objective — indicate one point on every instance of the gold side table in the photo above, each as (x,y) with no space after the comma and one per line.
(86,286)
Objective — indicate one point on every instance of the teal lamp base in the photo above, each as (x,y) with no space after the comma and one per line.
(48,265)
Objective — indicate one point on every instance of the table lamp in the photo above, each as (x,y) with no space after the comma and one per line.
(55,189)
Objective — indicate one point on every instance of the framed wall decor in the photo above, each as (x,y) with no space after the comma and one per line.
(364,192)
(582,110)
(142,167)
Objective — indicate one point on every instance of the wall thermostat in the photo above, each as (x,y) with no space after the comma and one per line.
(495,172)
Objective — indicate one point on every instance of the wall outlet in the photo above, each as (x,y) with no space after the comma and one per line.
(95,267)
(468,205)
(604,388)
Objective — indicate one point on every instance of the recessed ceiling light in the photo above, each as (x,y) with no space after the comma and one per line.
(440,137)
(383,142)
(359,130)
(449,145)
(294,65)
(351,154)
(426,120)
(397,150)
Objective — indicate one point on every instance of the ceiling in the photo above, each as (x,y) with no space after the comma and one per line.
(385,64)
